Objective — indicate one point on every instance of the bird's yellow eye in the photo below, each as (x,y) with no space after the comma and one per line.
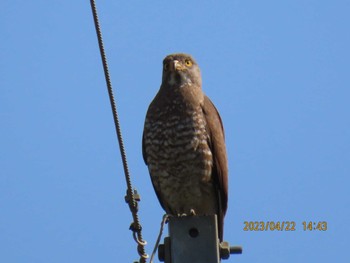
(188,63)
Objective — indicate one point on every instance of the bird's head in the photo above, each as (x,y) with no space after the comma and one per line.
(180,70)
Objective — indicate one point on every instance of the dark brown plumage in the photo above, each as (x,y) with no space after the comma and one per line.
(183,144)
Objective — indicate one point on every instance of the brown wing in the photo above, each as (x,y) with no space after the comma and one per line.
(144,155)
(220,168)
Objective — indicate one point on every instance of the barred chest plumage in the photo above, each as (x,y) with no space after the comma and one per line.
(179,159)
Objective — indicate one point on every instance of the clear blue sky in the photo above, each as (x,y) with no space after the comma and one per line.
(278,71)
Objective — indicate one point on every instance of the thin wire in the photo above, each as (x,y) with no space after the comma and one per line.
(135,226)
(164,220)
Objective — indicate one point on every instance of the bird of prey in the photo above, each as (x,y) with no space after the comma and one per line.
(183,144)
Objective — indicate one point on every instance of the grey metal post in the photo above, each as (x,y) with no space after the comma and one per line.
(194,239)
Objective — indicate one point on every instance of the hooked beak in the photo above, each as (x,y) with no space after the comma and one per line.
(178,66)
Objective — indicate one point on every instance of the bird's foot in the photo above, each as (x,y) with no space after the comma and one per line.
(192,212)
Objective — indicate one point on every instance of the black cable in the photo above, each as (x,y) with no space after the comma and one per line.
(130,198)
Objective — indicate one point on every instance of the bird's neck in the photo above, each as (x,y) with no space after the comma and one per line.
(188,94)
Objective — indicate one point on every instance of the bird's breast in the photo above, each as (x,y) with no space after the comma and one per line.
(177,144)
(180,160)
